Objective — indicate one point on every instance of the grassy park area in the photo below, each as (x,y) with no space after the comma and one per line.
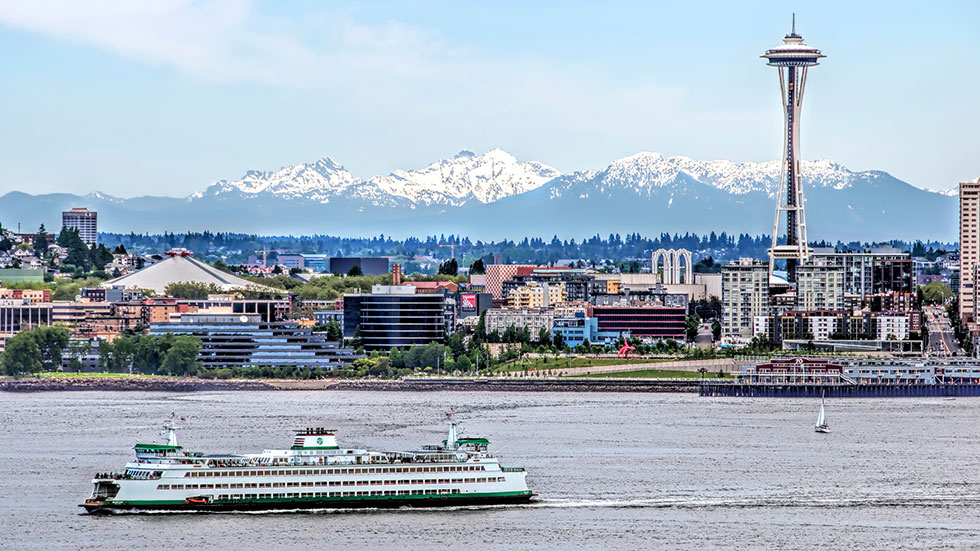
(651,374)
(567,363)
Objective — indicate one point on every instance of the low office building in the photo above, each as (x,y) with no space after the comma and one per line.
(395,316)
(579,329)
(115,293)
(534,320)
(644,320)
(244,340)
(21,315)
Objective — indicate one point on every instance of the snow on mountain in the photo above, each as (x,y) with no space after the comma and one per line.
(646,172)
(317,181)
(951,192)
(486,178)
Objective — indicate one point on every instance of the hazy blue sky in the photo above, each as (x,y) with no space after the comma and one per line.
(162,98)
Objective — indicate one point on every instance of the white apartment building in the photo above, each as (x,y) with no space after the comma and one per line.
(969,247)
(744,295)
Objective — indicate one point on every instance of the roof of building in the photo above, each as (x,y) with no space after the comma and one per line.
(432,286)
(183,269)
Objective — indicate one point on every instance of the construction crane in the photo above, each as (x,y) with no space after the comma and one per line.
(264,256)
(452,248)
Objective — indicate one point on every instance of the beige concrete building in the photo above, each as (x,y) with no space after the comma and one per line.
(744,295)
(820,285)
(969,247)
(535,295)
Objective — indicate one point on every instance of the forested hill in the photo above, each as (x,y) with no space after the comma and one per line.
(235,248)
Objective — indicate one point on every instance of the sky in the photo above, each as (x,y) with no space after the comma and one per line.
(164,98)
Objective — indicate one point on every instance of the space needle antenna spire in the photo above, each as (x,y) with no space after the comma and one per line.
(792,59)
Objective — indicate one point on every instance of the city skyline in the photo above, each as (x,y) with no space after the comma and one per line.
(177,96)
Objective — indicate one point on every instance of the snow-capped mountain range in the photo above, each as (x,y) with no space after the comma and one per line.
(466,177)
(495,195)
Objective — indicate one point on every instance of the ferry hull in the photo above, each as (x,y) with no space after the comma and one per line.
(290,504)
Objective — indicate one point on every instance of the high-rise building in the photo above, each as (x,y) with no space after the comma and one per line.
(969,247)
(792,58)
(744,295)
(871,271)
(85,221)
(820,285)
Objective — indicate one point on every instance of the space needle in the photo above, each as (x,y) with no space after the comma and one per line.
(792,58)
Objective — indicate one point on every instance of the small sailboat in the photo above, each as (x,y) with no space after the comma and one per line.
(821,425)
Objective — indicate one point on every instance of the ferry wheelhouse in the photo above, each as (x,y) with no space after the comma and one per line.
(314,473)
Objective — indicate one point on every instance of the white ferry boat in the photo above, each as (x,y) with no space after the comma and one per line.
(314,473)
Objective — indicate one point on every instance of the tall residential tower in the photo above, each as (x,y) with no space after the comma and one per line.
(792,58)
(969,248)
(85,221)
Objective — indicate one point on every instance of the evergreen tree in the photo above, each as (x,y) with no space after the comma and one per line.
(41,243)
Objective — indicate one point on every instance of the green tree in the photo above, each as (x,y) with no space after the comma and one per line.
(41,242)
(191,290)
(716,329)
(334,332)
(457,346)
(51,341)
(100,256)
(936,292)
(691,327)
(463,363)
(480,331)
(21,355)
(355,270)
(181,358)
(477,267)
(558,341)
(449,267)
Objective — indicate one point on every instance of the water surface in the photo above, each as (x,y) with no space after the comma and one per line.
(614,471)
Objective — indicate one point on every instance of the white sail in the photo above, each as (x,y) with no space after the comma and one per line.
(821,420)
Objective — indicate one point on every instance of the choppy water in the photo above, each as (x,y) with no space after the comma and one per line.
(614,471)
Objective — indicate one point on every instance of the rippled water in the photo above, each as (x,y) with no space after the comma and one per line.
(614,471)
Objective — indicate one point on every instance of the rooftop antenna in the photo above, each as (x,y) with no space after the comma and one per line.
(794,22)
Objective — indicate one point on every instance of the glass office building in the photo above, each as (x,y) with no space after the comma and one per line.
(233,340)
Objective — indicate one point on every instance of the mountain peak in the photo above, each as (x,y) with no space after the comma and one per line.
(485,178)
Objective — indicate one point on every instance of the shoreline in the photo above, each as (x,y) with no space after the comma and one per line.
(177,384)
